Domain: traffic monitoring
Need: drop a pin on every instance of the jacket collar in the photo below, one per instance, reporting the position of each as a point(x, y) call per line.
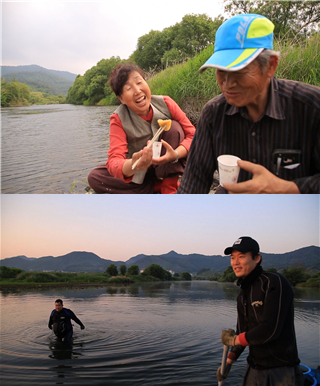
point(247, 281)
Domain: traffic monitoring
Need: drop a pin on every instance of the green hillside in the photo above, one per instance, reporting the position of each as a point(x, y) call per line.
point(41, 81)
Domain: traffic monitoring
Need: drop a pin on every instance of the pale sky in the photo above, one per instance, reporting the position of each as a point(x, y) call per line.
point(120, 227)
point(74, 36)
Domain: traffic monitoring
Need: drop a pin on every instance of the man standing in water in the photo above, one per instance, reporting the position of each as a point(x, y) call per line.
point(265, 321)
point(60, 321)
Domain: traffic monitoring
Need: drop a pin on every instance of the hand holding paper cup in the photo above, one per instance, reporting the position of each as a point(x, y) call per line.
point(228, 169)
point(156, 149)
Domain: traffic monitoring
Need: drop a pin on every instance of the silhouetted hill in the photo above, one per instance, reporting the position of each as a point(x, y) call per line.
point(180, 263)
point(40, 79)
point(33, 67)
point(72, 262)
point(309, 257)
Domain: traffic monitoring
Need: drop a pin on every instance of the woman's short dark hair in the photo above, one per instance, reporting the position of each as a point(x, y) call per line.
point(120, 75)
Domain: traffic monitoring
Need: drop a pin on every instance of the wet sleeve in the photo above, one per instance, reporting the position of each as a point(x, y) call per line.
point(73, 317)
point(235, 352)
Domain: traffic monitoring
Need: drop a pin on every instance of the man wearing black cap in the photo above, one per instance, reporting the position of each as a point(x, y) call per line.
point(265, 321)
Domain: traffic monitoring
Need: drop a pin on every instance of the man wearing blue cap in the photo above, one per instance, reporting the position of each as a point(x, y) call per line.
point(265, 321)
point(272, 125)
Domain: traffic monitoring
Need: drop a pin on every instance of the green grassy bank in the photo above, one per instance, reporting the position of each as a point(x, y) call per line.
point(299, 61)
point(17, 278)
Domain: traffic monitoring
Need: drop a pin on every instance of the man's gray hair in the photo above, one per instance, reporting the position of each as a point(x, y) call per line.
point(264, 58)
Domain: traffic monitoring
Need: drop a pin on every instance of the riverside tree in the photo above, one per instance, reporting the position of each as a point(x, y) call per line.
point(228, 275)
point(123, 269)
point(14, 93)
point(289, 17)
point(158, 272)
point(9, 273)
point(93, 85)
point(176, 43)
point(112, 270)
point(296, 275)
point(133, 270)
point(186, 276)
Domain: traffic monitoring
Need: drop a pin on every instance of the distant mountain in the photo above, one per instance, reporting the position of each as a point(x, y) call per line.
point(309, 257)
point(40, 79)
point(72, 262)
point(33, 67)
point(180, 263)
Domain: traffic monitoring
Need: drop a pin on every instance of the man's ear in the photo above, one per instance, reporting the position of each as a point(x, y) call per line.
point(272, 66)
point(257, 258)
point(120, 98)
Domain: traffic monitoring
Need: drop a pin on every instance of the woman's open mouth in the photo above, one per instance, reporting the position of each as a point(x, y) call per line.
point(141, 99)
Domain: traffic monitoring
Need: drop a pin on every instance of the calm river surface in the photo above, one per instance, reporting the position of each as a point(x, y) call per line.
point(45, 149)
point(150, 334)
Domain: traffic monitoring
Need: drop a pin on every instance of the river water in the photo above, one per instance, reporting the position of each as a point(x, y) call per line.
point(146, 334)
point(52, 148)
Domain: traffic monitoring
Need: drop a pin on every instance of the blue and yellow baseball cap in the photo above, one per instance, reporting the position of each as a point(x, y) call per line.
point(239, 41)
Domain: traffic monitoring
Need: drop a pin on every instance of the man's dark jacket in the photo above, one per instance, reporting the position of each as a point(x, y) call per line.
point(60, 322)
point(266, 316)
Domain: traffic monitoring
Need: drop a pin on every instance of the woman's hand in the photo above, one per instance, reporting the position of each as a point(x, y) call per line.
point(146, 158)
point(143, 164)
point(169, 156)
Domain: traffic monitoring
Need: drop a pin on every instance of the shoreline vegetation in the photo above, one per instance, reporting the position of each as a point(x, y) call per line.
point(11, 278)
point(18, 279)
point(171, 59)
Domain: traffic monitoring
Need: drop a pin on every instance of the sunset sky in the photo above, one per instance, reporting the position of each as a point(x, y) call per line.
point(74, 36)
point(120, 227)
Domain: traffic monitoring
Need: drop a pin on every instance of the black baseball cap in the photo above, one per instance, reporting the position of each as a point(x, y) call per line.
point(244, 244)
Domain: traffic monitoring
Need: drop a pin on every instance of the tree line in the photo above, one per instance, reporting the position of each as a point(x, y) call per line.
point(15, 93)
point(297, 276)
point(111, 275)
point(154, 270)
point(158, 50)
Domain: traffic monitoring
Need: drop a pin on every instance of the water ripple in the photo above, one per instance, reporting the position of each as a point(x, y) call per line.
point(46, 149)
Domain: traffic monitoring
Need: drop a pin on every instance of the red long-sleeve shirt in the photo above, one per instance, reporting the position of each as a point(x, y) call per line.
point(118, 138)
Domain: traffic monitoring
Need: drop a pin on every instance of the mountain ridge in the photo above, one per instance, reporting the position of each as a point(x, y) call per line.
point(38, 78)
point(82, 261)
point(34, 67)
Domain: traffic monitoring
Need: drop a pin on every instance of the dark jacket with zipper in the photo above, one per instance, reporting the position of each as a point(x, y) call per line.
point(60, 322)
point(266, 316)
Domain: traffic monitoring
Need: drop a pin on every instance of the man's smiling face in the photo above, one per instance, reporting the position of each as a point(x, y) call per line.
point(243, 263)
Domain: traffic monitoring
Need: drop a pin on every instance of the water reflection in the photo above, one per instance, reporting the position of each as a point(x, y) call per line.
point(156, 333)
point(62, 351)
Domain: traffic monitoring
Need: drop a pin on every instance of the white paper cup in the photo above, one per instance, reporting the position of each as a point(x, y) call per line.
point(156, 149)
point(228, 169)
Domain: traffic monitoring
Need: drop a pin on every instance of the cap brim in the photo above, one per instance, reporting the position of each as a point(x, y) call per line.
point(229, 250)
point(231, 60)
